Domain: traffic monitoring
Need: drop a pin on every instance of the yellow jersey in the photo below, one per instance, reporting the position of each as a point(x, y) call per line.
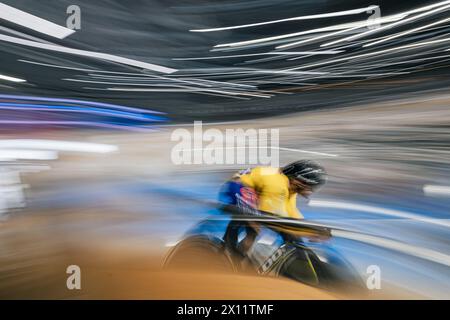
point(272, 187)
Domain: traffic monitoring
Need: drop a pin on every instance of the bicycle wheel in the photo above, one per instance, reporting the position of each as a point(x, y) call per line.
point(199, 253)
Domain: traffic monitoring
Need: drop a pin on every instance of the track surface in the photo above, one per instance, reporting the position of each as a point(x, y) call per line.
point(116, 215)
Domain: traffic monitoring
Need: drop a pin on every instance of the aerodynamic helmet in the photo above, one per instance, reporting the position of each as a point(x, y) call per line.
point(306, 171)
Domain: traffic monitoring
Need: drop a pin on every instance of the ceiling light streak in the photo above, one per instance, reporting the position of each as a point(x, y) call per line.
point(33, 22)
point(284, 36)
point(389, 26)
point(435, 190)
point(190, 90)
point(401, 34)
point(377, 210)
point(410, 46)
point(70, 68)
point(327, 35)
point(142, 84)
point(388, 64)
point(228, 84)
point(12, 79)
point(23, 35)
point(312, 31)
point(141, 78)
point(102, 71)
point(328, 52)
point(412, 250)
point(429, 7)
point(13, 154)
point(179, 90)
point(354, 81)
point(389, 60)
point(57, 145)
point(310, 17)
point(358, 25)
point(268, 59)
point(118, 83)
point(89, 54)
point(247, 71)
point(363, 75)
point(285, 82)
point(258, 45)
point(197, 81)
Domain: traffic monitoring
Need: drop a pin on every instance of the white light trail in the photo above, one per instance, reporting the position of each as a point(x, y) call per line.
point(310, 17)
point(193, 90)
point(373, 53)
point(401, 34)
point(23, 35)
point(13, 154)
point(33, 22)
point(356, 26)
point(433, 190)
point(117, 83)
point(326, 52)
point(344, 26)
point(284, 36)
point(171, 90)
point(196, 82)
point(260, 147)
point(210, 72)
point(389, 26)
point(423, 253)
point(58, 145)
point(305, 151)
point(12, 79)
point(327, 35)
point(90, 54)
point(377, 210)
point(199, 82)
point(426, 8)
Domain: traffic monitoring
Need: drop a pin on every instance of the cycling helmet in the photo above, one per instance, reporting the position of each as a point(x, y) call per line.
point(306, 171)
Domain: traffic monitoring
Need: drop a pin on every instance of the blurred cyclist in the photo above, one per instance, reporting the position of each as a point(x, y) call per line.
point(268, 189)
point(276, 188)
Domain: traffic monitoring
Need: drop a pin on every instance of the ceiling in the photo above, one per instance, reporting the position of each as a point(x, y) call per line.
point(166, 55)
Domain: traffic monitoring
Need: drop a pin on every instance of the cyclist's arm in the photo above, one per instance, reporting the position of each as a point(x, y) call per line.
point(250, 179)
point(292, 209)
